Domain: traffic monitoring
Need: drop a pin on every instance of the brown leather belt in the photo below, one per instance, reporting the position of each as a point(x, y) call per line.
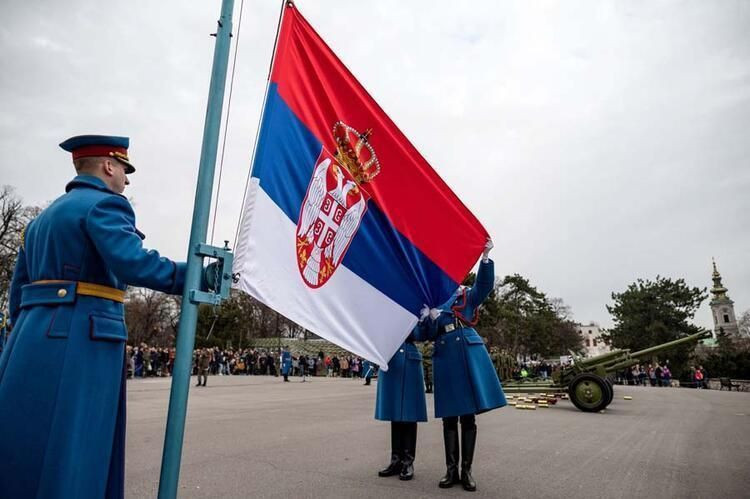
point(90, 289)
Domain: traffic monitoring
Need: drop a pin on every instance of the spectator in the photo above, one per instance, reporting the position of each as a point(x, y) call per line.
point(138, 370)
point(666, 375)
point(698, 376)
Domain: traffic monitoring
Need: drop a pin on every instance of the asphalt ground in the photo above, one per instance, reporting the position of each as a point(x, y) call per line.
point(252, 436)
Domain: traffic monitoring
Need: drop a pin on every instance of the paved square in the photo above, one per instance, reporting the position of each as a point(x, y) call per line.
point(252, 436)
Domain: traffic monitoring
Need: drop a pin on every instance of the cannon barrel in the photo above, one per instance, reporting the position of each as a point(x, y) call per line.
point(603, 358)
point(622, 365)
point(621, 359)
point(645, 353)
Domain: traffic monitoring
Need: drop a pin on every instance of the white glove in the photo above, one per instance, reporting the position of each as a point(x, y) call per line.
point(432, 313)
point(487, 248)
point(424, 312)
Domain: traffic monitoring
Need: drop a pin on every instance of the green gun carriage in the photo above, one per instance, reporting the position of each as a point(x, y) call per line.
point(586, 380)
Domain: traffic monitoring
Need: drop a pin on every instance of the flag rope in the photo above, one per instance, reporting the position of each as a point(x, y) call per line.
point(284, 3)
point(226, 121)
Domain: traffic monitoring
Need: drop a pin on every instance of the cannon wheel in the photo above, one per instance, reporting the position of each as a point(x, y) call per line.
point(589, 392)
point(611, 391)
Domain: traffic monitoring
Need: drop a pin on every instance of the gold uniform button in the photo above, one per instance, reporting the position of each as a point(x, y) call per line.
point(62, 293)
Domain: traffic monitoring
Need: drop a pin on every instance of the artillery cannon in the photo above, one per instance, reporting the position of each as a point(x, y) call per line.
point(585, 380)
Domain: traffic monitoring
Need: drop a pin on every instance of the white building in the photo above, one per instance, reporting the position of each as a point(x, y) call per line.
point(593, 343)
point(722, 308)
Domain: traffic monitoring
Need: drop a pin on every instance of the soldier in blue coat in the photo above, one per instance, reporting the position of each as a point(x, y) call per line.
point(286, 363)
point(368, 370)
point(466, 382)
point(400, 400)
point(64, 420)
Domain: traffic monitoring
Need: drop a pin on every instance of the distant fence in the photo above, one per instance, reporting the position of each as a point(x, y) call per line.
point(715, 384)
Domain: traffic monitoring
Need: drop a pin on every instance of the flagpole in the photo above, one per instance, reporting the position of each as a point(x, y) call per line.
point(172, 453)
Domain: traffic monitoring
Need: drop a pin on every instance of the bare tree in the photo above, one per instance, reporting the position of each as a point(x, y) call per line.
point(151, 316)
point(744, 324)
point(14, 217)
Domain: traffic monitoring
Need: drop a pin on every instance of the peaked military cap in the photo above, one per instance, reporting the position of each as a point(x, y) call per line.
point(86, 146)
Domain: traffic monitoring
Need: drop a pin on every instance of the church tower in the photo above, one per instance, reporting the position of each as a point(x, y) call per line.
point(722, 308)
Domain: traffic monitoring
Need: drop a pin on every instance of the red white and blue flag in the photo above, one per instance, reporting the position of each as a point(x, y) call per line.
point(346, 228)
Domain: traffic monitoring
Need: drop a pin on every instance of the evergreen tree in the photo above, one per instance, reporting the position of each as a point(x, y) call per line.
point(649, 312)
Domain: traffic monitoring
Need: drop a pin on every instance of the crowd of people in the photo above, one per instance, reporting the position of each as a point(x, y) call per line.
point(646, 374)
point(145, 361)
point(541, 370)
point(659, 374)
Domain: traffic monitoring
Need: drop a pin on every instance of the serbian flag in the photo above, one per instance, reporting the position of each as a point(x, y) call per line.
point(346, 229)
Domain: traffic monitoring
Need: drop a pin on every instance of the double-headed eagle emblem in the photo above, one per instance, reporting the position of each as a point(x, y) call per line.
point(335, 204)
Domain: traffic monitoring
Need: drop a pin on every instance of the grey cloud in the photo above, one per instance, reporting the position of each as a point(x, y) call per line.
point(598, 142)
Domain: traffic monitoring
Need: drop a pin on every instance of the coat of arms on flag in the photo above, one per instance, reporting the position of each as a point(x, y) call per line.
point(334, 204)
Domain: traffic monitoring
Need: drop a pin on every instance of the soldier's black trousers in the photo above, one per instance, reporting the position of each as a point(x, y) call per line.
point(468, 421)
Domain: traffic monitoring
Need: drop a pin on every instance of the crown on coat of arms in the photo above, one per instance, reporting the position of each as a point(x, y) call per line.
point(355, 153)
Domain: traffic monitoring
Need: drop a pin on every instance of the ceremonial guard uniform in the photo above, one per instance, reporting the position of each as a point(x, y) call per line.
point(400, 400)
point(286, 363)
point(465, 379)
point(63, 420)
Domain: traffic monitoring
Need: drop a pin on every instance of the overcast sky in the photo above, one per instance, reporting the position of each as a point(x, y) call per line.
point(598, 142)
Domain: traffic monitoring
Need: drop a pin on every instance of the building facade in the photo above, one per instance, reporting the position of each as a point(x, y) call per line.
point(593, 343)
point(722, 308)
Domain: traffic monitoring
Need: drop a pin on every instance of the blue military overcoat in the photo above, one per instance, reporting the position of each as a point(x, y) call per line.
point(62, 374)
point(400, 394)
point(286, 363)
point(465, 381)
point(368, 369)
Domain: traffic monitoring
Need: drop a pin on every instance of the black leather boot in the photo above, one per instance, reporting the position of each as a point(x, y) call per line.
point(409, 445)
point(450, 439)
point(394, 468)
point(468, 443)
